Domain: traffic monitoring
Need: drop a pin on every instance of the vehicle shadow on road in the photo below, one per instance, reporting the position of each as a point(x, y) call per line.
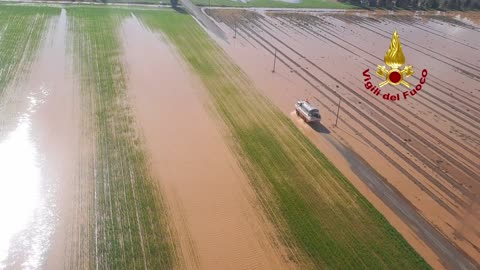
point(319, 127)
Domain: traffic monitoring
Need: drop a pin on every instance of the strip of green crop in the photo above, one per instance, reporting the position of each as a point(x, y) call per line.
point(21, 32)
point(318, 213)
point(128, 228)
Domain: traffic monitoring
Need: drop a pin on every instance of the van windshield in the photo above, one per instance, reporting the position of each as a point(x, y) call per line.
point(314, 113)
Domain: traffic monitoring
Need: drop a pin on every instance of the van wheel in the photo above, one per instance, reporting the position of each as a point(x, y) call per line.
point(298, 114)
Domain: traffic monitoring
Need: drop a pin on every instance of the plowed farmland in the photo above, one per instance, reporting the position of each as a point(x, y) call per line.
point(131, 139)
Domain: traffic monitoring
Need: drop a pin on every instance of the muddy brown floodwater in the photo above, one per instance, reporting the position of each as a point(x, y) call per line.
point(422, 146)
point(37, 155)
point(215, 215)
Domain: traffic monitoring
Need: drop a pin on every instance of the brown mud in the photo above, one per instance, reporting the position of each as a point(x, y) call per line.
point(214, 211)
point(422, 146)
point(41, 152)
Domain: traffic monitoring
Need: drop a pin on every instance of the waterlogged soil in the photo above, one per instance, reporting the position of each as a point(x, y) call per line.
point(214, 212)
point(422, 146)
point(38, 156)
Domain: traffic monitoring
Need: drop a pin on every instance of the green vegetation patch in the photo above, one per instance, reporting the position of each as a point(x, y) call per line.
point(21, 32)
point(323, 220)
point(276, 4)
point(129, 227)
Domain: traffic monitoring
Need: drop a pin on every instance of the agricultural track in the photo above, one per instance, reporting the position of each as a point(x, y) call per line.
point(438, 145)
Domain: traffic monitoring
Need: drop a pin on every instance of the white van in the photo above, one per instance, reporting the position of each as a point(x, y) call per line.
point(307, 112)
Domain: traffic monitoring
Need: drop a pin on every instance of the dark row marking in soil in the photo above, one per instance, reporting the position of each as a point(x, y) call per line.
point(269, 25)
point(445, 19)
point(407, 22)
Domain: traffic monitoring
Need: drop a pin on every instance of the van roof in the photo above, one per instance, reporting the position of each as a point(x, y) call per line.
point(308, 106)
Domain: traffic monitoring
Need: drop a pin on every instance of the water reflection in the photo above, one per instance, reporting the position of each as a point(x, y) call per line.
point(24, 216)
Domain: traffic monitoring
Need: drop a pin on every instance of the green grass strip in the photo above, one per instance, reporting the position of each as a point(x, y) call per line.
point(21, 32)
point(130, 221)
point(321, 217)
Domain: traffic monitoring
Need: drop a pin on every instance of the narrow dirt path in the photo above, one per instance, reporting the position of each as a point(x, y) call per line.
point(215, 214)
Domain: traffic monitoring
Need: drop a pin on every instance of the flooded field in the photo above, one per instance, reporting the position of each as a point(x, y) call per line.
point(131, 139)
point(423, 146)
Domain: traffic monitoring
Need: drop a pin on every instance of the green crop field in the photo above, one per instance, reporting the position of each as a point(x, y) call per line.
point(321, 217)
point(276, 4)
point(21, 31)
point(129, 220)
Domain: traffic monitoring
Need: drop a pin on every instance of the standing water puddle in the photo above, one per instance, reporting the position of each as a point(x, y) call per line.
point(21, 202)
